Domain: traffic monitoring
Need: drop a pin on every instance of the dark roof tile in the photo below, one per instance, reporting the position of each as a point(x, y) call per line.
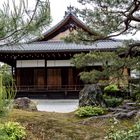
point(60, 46)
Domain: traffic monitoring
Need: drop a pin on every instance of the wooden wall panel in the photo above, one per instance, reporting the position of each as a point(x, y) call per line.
point(54, 77)
point(64, 75)
point(17, 77)
point(27, 76)
point(39, 77)
point(71, 77)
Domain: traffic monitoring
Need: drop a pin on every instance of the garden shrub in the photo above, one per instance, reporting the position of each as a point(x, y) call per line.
point(111, 88)
point(112, 101)
point(136, 94)
point(129, 134)
point(89, 111)
point(7, 95)
point(12, 131)
point(138, 97)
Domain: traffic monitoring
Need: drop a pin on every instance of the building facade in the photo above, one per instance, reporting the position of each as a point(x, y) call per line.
point(43, 69)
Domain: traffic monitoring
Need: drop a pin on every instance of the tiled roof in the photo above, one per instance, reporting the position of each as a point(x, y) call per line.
point(60, 46)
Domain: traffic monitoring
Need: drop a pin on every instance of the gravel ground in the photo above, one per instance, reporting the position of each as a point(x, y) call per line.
point(62, 106)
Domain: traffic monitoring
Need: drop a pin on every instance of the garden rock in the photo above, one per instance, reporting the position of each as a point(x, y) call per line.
point(124, 111)
point(128, 107)
point(138, 115)
point(123, 115)
point(25, 104)
point(91, 95)
point(131, 114)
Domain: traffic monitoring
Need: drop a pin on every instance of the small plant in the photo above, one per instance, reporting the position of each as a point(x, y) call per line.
point(136, 93)
point(89, 111)
point(7, 95)
point(111, 88)
point(12, 131)
point(112, 101)
point(129, 134)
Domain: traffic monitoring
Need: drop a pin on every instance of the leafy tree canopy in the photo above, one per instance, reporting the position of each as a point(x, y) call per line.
point(107, 18)
point(112, 65)
point(19, 20)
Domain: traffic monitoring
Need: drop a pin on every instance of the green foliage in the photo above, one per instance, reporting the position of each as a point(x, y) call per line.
point(12, 131)
point(7, 95)
point(111, 66)
point(89, 59)
point(93, 76)
point(19, 20)
point(129, 134)
point(111, 88)
point(7, 79)
point(136, 93)
point(105, 18)
point(64, 126)
point(136, 96)
point(112, 101)
point(111, 94)
point(88, 111)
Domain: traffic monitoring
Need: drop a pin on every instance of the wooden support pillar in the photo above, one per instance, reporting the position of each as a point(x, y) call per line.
point(45, 72)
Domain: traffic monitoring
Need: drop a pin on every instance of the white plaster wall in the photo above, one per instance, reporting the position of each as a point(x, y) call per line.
point(96, 64)
point(135, 74)
point(59, 63)
point(30, 63)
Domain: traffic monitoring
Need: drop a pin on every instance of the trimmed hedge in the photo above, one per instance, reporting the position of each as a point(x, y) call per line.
point(88, 111)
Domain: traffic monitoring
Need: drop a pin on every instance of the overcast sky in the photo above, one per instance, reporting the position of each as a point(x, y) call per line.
point(58, 8)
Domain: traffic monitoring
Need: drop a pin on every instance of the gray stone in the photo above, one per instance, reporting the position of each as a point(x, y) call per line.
point(133, 104)
point(125, 111)
point(121, 115)
point(124, 115)
point(127, 107)
point(91, 95)
point(138, 115)
point(116, 110)
point(25, 104)
point(131, 114)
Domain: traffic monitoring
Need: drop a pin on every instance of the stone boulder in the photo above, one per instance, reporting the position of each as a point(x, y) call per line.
point(126, 115)
point(127, 110)
point(24, 104)
point(91, 95)
point(138, 115)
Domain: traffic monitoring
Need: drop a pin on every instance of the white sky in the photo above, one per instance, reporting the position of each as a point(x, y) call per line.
point(58, 8)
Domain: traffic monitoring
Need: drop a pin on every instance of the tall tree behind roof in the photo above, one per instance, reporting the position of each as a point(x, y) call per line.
point(110, 18)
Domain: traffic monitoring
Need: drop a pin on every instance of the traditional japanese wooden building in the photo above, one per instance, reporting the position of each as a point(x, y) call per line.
point(42, 68)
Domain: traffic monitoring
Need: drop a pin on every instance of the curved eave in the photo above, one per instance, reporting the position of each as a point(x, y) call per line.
point(53, 51)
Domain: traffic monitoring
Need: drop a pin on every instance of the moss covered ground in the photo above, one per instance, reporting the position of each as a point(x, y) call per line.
point(63, 126)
